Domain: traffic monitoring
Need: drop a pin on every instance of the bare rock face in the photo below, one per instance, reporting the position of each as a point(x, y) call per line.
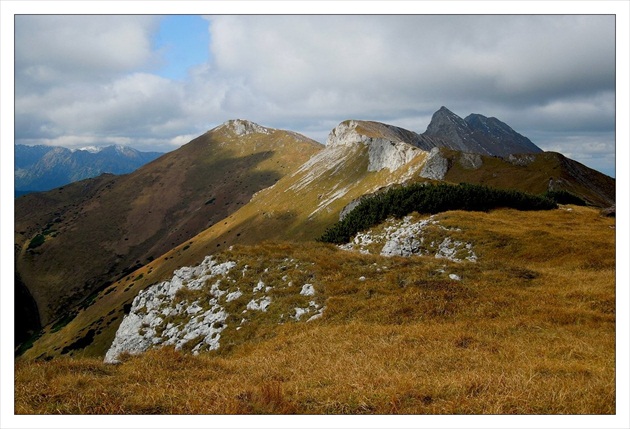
point(390, 155)
point(477, 134)
point(471, 161)
point(388, 147)
point(436, 165)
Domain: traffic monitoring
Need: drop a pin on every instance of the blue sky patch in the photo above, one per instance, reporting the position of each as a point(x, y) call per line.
point(183, 41)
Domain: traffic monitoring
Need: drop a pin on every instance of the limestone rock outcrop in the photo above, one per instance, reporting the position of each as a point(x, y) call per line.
point(388, 146)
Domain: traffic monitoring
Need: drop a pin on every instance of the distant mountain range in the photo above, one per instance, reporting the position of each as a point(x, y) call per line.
point(84, 252)
point(41, 168)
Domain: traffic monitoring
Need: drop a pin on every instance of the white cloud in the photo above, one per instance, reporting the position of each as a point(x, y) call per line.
point(64, 48)
point(90, 76)
point(370, 63)
point(131, 105)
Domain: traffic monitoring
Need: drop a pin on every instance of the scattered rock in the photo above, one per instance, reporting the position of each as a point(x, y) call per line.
point(521, 159)
point(407, 238)
point(189, 308)
point(259, 304)
point(307, 290)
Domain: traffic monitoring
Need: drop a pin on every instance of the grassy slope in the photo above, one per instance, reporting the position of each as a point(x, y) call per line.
point(287, 210)
point(529, 329)
point(592, 186)
point(103, 227)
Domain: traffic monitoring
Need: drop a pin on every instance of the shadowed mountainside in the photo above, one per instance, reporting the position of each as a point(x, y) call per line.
point(73, 241)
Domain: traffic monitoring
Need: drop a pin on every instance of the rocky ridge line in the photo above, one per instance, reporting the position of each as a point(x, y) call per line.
point(388, 147)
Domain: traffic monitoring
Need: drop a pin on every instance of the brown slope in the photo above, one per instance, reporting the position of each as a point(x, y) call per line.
point(299, 207)
point(99, 230)
point(533, 173)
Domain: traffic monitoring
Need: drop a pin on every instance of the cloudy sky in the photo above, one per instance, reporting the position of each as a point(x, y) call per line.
point(156, 82)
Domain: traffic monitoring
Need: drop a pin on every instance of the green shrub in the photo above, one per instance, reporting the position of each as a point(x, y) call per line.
point(564, 197)
point(431, 199)
point(37, 241)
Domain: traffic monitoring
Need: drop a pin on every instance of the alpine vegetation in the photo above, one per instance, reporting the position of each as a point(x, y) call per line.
point(431, 199)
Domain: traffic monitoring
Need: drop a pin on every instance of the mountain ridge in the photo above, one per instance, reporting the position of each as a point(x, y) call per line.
point(306, 197)
point(96, 230)
point(476, 134)
point(41, 168)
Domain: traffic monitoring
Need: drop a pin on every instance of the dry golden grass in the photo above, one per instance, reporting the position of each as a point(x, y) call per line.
point(530, 329)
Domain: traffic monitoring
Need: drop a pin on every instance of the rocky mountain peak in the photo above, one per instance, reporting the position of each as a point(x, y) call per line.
point(242, 127)
point(345, 134)
point(445, 122)
point(453, 130)
point(477, 134)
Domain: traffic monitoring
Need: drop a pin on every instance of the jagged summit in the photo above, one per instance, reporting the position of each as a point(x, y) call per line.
point(477, 134)
point(444, 122)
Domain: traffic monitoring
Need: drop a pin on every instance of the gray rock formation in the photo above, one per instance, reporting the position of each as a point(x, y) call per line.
point(477, 134)
point(406, 238)
point(436, 165)
point(388, 147)
point(471, 161)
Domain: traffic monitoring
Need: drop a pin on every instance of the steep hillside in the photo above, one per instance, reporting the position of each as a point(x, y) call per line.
point(533, 173)
point(360, 158)
point(299, 206)
point(73, 241)
point(41, 168)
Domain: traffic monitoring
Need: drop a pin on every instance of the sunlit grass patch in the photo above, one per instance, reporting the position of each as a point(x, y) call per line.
point(529, 328)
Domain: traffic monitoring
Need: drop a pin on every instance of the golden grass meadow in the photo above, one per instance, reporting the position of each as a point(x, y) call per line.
point(529, 329)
